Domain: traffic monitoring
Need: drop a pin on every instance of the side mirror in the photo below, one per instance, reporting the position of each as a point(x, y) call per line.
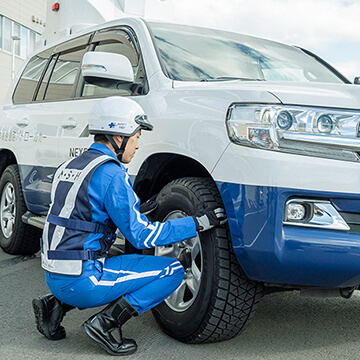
point(106, 69)
point(357, 80)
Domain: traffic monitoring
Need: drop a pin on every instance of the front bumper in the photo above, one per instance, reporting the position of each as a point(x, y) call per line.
point(272, 252)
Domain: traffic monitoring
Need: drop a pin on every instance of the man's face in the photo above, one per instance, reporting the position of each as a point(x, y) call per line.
point(131, 147)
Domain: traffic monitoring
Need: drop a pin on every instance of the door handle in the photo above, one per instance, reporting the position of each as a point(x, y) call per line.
point(23, 122)
point(69, 123)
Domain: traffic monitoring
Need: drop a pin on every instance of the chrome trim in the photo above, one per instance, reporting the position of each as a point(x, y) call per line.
point(324, 216)
point(333, 141)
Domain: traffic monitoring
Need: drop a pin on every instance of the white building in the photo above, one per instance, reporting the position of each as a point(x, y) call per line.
point(21, 23)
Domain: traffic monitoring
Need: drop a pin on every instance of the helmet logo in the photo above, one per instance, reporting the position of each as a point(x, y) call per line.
point(113, 125)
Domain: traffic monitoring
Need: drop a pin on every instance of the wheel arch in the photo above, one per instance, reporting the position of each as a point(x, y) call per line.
point(159, 169)
point(7, 157)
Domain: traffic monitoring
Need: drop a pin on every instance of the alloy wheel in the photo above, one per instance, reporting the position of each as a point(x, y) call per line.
point(189, 253)
point(8, 210)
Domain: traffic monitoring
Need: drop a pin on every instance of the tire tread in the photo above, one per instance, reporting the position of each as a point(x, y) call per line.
point(235, 298)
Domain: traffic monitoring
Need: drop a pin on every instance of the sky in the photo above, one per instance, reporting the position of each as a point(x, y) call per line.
point(328, 28)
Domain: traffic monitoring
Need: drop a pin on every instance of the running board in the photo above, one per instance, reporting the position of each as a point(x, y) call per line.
point(34, 220)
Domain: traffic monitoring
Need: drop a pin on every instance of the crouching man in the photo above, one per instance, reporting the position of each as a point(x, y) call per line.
point(91, 197)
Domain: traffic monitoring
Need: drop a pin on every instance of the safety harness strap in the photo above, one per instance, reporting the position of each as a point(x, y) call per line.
point(73, 255)
point(81, 225)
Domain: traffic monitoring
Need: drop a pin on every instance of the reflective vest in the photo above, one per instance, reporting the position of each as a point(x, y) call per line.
point(69, 220)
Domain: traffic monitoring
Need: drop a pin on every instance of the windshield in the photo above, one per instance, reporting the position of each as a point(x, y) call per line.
point(197, 54)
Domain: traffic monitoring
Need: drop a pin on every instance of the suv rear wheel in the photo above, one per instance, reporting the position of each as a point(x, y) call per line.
point(15, 236)
point(216, 300)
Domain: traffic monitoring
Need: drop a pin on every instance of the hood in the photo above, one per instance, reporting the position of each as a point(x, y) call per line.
point(339, 96)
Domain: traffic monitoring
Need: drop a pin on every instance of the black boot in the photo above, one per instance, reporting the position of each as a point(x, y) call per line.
point(105, 328)
point(49, 312)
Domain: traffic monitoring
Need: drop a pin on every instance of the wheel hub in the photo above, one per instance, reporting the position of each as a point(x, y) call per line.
point(7, 210)
point(185, 258)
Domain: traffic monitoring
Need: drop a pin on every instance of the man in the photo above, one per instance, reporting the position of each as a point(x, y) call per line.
point(91, 196)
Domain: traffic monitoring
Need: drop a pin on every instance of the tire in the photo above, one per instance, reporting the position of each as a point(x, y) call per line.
point(216, 300)
point(16, 237)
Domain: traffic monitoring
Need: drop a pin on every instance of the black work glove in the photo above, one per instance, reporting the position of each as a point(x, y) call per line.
point(209, 218)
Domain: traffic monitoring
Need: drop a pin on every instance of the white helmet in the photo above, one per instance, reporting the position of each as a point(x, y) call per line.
point(117, 115)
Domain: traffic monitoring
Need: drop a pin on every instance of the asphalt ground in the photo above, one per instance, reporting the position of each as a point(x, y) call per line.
point(286, 326)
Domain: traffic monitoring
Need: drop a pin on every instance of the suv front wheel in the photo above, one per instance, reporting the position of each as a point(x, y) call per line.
point(16, 237)
point(215, 300)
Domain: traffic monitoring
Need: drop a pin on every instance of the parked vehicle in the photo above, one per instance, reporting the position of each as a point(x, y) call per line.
point(269, 131)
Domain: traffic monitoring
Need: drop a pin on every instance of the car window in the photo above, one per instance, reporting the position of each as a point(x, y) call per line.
point(60, 78)
point(117, 42)
point(197, 54)
point(45, 80)
point(29, 79)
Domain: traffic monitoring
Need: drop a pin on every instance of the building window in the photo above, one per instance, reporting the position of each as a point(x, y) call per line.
point(32, 41)
point(22, 47)
point(16, 44)
point(7, 34)
point(1, 31)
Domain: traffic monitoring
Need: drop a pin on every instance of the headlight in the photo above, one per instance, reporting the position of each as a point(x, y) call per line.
point(325, 124)
point(284, 120)
point(306, 131)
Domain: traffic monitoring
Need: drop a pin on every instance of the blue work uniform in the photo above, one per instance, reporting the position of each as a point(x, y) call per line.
point(88, 193)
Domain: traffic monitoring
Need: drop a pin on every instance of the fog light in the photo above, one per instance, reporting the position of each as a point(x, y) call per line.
point(319, 214)
point(295, 212)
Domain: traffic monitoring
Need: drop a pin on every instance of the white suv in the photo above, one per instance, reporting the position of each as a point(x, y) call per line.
point(269, 131)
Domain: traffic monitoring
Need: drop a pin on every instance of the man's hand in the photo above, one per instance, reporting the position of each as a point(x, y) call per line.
point(210, 218)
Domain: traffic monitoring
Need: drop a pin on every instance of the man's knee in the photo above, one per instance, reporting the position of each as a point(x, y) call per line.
point(176, 272)
point(179, 270)
point(174, 268)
